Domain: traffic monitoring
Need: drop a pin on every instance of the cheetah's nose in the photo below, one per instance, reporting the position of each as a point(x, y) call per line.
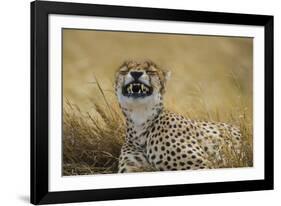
point(136, 75)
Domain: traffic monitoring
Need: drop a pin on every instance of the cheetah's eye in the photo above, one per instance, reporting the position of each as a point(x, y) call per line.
point(151, 72)
point(123, 72)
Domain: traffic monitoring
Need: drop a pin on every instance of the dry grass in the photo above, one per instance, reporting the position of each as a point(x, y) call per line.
point(92, 143)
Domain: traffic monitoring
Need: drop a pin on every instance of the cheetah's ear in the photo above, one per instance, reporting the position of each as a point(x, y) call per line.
point(167, 75)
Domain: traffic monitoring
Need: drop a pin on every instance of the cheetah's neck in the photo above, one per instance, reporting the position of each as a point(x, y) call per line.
point(138, 120)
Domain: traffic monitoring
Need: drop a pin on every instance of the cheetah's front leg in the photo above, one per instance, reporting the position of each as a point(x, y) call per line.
point(133, 159)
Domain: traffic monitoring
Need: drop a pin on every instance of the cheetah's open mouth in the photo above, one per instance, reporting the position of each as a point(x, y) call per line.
point(136, 90)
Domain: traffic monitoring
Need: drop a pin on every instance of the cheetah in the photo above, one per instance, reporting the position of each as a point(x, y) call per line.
point(157, 139)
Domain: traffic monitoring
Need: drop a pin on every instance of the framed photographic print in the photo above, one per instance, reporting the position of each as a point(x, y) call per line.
point(131, 102)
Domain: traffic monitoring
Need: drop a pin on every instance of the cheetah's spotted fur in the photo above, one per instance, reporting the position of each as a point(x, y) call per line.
point(157, 139)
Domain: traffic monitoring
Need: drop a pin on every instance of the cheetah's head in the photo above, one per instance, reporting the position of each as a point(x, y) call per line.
point(140, 83)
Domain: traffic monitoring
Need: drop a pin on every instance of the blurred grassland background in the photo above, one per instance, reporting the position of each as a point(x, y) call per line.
point(211, 80)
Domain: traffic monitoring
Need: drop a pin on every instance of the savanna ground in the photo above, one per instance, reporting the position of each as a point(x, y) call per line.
point(211, 80)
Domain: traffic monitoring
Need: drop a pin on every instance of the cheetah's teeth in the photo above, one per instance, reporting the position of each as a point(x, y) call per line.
point(131, 88)
point(141, 88)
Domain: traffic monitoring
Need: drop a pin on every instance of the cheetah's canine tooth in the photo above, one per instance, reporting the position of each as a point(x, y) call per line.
point(142, 87)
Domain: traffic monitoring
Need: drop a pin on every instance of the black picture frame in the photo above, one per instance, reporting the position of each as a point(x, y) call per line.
point(39, 101)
